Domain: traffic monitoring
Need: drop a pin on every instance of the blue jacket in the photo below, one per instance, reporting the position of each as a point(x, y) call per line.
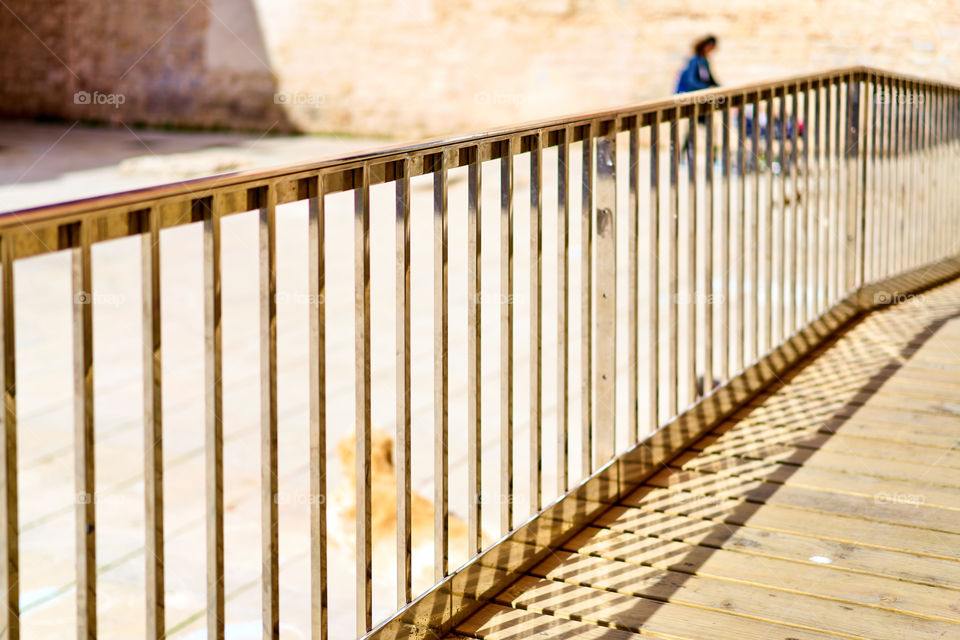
point(696, 76)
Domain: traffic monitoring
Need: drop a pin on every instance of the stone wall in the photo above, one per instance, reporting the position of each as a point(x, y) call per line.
point(410, 68)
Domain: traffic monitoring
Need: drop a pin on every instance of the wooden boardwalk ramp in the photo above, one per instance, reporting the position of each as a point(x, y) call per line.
point(827, 508)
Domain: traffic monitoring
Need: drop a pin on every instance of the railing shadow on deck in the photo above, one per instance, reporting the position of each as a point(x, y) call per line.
point(877, 367)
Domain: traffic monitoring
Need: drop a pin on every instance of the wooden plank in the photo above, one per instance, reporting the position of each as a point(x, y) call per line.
point(745, 539)
point(652, 617)
point(780, 460)
point(834, 451)
point(777, 607)
point(497, 622)
point(861, 425)
point(804, 410)
point(773, 516)
point(810, 499)
point(853, 483)
point(822, 580)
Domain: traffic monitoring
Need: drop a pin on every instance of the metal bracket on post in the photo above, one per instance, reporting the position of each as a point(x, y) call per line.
point(606, 269)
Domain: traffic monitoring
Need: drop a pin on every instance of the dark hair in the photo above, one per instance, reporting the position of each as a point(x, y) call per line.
point(700, 47)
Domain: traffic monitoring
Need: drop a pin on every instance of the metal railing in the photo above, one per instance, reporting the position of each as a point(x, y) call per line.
point(713, 227)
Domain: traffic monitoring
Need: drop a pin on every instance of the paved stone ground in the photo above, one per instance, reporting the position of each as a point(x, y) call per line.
point(43, 163)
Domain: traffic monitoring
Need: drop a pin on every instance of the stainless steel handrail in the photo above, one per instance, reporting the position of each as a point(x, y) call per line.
point(775, 227)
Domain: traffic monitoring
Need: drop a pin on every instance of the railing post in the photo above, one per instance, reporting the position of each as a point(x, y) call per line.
point(9, 520)
point(606, 327)
point(851, 156)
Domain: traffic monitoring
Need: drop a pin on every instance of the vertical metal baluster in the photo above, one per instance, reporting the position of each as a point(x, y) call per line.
point(954, 126)
point(311, 189)
point(937, 152)
point(935, 165)
point(923, 183)
point(874, 209)
point(909, 177)
point(866, 204)
point(946, 174)
point(829, 227)
point(654, 265)
point(691, 309)
point(755, 230)
point(474, 376)
point(213, 408)
point(929, 103)
point(943, 176)
point(879, 204)
point(673, 266)
point(806, 281)
point(739, 333)
point(84, 432)
point(896, 143)
point(817, 249)
point(440, 389)
point(795, 236)
point(953, 113)
point(270, 540)
point(563, 302)
point(916, 213)
point(768, 229)
point(852, 164)
point(586, 306)
point(906, 176)
point(910, 223)
point(506, 336)
point(633, 318)
point(882, 202)
point(890, 175)
point(606, 319)
point(404, 541)
point(950, 184)
point(725, 291)
point(864, 159)
point(536, 304)
point(361, 295)
point(929, 170)
point(9, 512)
point(955, 187)
point(782, 225)
point(152, 424)
point(708, 214)
point(840, 209)
point(932, 92)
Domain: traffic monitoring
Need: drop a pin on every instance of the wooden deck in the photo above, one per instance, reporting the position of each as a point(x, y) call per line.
point(828, 508)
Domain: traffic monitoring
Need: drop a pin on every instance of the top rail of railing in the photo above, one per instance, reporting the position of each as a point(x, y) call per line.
point(420, 151)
